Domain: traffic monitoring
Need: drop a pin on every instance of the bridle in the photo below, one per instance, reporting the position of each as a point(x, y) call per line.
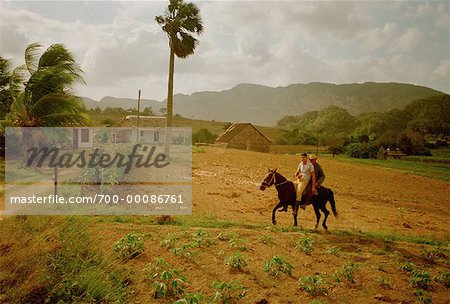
point(273, 181)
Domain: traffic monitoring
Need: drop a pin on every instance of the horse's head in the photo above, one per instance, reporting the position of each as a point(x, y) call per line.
point(269, 180)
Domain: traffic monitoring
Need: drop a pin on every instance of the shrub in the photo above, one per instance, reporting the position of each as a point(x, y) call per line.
point(237, 243)
point(423, 296)
point(334, 250)
point(167, 282)
point(169, 242)
point(228, 292)
point(315, 285)
point(384, 281)
point(408, 267)
point(276, 265)
point(443, 278)
point(306, 245)
point(225, 236)
point(346, 273)
point(265, 239)
point(191, 298)
point(420, 279)
point(130, 246)
point(362, 150)
point(236, 261)
point(165, 220)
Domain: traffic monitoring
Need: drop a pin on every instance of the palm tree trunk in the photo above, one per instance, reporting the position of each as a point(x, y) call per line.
point(169, 122)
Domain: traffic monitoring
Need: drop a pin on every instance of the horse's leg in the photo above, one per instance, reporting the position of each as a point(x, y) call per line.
point(274, 211)
point(316, 210)
point(295, 213)
point(326, 212)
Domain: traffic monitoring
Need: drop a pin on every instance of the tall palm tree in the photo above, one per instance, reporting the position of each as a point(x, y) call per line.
point(46, 98)
point(180, 21)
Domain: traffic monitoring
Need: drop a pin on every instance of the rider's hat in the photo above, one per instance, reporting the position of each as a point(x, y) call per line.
point(312, 156)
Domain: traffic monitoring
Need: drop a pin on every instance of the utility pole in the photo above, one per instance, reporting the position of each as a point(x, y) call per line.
point(138, 113)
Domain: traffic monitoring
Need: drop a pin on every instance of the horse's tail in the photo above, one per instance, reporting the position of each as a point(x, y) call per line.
point(333, 203)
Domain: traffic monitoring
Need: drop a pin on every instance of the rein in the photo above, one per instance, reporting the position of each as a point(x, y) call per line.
point(273, 181)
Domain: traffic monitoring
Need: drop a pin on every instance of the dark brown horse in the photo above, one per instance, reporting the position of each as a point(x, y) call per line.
point(287, 197)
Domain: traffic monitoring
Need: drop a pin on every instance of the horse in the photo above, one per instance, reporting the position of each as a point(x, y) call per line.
point(287, 197)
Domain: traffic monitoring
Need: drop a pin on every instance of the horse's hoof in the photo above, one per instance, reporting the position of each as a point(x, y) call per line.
point(325, 227)
point(274, 222)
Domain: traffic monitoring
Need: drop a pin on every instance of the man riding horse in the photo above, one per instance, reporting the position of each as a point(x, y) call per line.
point(306, 179)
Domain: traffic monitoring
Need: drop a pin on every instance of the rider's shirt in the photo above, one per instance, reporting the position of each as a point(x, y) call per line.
point(305, 170)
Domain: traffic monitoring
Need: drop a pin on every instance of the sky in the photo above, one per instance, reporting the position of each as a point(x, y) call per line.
point(121, 48)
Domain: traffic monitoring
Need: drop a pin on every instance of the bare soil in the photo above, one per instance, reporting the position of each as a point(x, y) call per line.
point(387, 219)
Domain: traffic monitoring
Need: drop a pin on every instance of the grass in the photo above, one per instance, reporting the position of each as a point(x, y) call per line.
point(432, 170)
point(393, 237)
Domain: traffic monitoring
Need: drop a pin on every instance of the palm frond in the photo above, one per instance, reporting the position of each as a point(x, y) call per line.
point(16, 81)
point(31, 53)
point(60, 110)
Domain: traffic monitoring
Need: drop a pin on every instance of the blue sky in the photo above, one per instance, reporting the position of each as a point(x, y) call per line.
point(276, 43)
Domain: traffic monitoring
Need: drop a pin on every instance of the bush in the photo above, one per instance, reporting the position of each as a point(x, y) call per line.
point(228, 292)
point(236, 261)
point(420, 279)
point(362, 150)
point(203, 136)
point(130, 246)
point(346, 273)
point(167, 282)
point(306, 245)
point(276, 265)
point(315, 285)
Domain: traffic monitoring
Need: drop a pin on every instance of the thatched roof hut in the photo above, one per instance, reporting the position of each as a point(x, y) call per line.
point(244, 136)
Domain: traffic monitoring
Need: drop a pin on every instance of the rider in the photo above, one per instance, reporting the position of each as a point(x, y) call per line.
point(303, 174)
point(320, 176)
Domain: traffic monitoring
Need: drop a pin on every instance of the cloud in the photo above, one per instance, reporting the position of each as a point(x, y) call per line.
point(379, 37)
point(122, 49)
point(406, 43)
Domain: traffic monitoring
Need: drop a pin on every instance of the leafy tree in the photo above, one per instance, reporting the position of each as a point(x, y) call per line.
point(412, 143)
point(46, 98)
point(148, 111)
point(180, 21)
point(5, 93)
point(430, 115)
point(203, 136)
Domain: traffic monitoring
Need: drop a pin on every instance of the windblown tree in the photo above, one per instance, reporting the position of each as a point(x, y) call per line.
point(45, 99)
point(5, 93)
point(180, 21)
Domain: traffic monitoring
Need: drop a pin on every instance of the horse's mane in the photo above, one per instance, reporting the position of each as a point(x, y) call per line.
point(280, 178)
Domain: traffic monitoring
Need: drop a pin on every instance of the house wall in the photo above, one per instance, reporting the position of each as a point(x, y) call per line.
point(249, 139)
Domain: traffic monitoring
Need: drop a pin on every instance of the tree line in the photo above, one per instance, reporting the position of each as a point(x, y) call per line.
point(422, 124)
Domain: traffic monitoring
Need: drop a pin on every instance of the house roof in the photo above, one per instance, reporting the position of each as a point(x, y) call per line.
point(234, 130)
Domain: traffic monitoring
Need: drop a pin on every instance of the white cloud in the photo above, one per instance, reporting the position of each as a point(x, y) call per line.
point(407, 41)
point(271, 43)
point(379, 37)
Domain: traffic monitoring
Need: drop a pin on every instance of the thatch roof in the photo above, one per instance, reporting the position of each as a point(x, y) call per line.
point(235, 129)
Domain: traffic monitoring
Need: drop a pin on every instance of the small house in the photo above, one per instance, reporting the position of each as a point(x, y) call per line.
point(244, 136)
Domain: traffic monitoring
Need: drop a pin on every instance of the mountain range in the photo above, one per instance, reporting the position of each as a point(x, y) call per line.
point(265, 105)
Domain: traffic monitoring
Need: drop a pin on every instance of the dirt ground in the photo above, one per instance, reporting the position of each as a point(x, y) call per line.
point(229, 210)
point(225, 183)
